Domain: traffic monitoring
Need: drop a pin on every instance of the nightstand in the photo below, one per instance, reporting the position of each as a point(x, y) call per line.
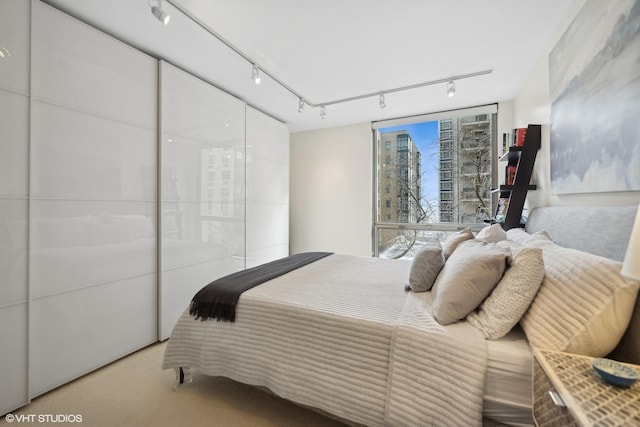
point(579, 397)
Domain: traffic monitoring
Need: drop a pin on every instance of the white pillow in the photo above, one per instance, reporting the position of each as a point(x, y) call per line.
point(583, 306)
point(492, 234)
point(518, 235)
point(510, 299)
point(466, 279)
point(425, 266)
point(451, 243)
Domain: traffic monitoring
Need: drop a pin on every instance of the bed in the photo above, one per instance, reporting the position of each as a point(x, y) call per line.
point(341, 334)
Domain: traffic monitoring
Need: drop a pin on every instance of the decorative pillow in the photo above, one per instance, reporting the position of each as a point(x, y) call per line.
point(492, 234)
point(425, 266)
point(467, 278)
point(451, 243)
point(517, 235)
point(583, 306)
point(510, 299)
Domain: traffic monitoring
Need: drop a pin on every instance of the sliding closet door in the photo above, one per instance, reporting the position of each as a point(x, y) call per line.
point(202, 189)
point(267, 188)
point(14, 201)
point(92, 257)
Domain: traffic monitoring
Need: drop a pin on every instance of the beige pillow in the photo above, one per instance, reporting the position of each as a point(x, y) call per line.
point(451, 243)
point(492, 234)
point(425, 266)
point(466, 279)
point(510, 299)
point(583, 306)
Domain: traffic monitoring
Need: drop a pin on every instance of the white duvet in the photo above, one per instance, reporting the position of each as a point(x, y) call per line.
point(343, 336)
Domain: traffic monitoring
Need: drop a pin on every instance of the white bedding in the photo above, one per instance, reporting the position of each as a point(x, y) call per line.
point(341, 335)
point(508, 387)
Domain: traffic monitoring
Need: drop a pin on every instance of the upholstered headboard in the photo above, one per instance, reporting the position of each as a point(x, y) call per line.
point(601, 230)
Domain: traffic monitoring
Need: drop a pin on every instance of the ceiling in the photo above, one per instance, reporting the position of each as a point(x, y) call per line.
point(335, 49)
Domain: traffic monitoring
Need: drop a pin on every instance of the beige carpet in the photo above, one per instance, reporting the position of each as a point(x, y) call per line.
point(134, 391)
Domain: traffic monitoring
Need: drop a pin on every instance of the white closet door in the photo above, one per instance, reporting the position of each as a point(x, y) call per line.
point(202, 189)
point(14, 200)
point(267, 188)
point(92, 251)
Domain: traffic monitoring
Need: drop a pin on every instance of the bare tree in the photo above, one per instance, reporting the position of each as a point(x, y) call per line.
point(472, 154)
point(423, 209)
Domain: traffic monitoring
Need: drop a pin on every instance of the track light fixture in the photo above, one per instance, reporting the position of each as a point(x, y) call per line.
point(255, 74)
point(451, 89)
point(159, 13)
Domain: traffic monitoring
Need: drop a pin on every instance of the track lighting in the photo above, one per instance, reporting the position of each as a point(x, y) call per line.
point(4, 52)
point(451, 89)
point(159, 13)
point(255, 74)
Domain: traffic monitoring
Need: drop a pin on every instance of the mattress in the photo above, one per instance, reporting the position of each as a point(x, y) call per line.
point(508, 386)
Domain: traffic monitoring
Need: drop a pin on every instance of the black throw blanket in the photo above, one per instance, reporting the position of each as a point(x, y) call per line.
point(219, 298)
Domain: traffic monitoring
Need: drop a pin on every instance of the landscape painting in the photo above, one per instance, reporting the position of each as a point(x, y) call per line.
point(594, 84)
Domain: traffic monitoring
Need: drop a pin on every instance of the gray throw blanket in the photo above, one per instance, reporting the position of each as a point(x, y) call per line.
point(218, 299)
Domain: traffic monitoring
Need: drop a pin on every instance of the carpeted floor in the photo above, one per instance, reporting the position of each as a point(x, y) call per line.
point(134, 391)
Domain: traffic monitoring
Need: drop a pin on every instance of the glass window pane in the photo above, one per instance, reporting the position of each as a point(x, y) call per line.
point(436, 171)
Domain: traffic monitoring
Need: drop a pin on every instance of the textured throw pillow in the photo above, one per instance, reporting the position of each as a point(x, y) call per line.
point(517, 235)
point(492, 234)
point(466, 279)
point(583, 306)
point(425, 266)
point(510, 299)
point(451, 243)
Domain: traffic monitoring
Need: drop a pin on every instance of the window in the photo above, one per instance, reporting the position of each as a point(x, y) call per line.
point(442, 169)
point(446, 134)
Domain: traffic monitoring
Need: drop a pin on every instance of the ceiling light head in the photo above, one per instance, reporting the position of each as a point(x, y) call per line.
point(381, 101)
point(255, 74)
point(300, 105)
point(451, 89)
point(323, 113)
point(160, 14)
point(4, 52)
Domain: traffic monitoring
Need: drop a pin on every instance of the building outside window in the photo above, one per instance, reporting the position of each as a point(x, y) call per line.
point(439, 174)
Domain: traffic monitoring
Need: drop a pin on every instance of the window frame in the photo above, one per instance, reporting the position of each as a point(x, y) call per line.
point(378, 152)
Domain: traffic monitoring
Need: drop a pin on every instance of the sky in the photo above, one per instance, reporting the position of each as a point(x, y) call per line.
point(425, 136)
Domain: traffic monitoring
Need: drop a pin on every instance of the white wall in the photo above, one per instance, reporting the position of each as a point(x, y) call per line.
point(331, 190)
point(532, 105)
point(331, 170)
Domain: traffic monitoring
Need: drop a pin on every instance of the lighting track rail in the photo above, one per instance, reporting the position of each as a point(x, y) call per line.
point(256, 69)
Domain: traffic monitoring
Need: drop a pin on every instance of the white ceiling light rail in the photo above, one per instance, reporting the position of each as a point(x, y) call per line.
point(256, 70)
